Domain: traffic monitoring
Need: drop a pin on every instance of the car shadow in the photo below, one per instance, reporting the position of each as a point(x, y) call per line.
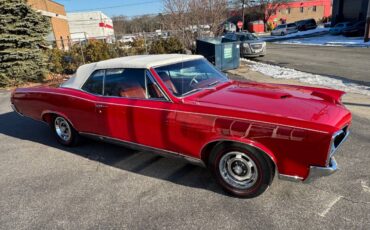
point(144, 163)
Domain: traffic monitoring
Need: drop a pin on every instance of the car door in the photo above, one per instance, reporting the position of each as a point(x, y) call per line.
point(87, 113)
point(134, 109)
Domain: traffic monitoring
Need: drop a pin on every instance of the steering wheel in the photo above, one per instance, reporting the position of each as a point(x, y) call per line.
point(193, 81)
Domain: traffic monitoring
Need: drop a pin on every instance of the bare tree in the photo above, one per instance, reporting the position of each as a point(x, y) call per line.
point(188, 18)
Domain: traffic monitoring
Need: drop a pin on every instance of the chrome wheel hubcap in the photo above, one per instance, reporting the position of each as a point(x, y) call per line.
point(238, 170)
point(62, 129)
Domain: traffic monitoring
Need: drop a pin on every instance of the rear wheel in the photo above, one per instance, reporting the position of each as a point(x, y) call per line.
point(64, 132)
point(240, 170)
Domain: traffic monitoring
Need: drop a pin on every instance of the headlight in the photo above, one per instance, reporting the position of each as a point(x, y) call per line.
point(245, 45)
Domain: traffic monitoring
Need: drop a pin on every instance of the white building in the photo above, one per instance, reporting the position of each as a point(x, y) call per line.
point(90, 25)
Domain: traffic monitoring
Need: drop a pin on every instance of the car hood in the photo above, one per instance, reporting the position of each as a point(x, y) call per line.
point(309, 104)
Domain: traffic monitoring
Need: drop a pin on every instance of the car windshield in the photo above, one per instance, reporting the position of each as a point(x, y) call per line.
point(247, 37)
point(280, 27)
point(188, 77)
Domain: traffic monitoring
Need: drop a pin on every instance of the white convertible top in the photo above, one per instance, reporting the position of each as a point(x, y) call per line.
point(134, 62)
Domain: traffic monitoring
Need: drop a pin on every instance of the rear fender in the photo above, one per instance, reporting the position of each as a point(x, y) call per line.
point(47, 117)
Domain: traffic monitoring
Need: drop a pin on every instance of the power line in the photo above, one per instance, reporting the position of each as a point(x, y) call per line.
point(117, 6)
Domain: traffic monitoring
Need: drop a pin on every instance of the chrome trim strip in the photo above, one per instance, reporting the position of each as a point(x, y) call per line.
point(15, 109)
point(171, 110)
point(290, 178)
point(317, 172)
point(149, 74)
point(141, 147)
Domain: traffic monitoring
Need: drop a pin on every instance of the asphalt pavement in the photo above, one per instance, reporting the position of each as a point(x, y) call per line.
point(96, 185)
point(347, 63)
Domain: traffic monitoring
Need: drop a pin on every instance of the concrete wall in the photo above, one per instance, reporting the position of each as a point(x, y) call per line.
point(349, 10)
point(60, 33)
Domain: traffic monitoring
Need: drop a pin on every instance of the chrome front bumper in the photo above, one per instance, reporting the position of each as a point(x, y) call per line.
point(15, 110)
point(317, 172)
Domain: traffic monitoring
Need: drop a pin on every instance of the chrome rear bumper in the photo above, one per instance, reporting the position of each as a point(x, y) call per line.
point(317, 172)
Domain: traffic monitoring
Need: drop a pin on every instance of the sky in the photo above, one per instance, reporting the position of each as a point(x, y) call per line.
point(114, 7)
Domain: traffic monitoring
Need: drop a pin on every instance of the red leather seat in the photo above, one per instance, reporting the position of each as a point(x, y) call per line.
point(132, 89)
point(167, 81)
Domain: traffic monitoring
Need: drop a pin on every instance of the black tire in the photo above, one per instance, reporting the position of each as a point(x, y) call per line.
point(73, 137)
point(262, 165)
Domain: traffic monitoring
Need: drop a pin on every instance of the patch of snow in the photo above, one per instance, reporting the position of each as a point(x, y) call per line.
point(329, 40)
point(298, 34)
point(315, 79)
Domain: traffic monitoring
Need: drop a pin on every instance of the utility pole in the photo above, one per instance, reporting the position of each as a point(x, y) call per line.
point(243, 5)
point(367, 29)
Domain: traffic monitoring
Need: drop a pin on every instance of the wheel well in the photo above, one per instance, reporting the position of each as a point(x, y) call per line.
point(207, 150)
point(47, 117)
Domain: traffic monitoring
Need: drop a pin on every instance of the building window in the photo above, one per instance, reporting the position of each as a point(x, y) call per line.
point(288, 10)
point(314, 9)
point(62, 42)
point(301, 9)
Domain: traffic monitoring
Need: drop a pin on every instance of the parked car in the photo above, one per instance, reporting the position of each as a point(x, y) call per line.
point(338, 28)
point(182, 106)
point(308, 24)
point(357, 29)
point(250, 46)
point(327, 24)
point(284, 29)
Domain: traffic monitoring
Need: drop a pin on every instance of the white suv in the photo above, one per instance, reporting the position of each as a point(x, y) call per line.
point(285, 29)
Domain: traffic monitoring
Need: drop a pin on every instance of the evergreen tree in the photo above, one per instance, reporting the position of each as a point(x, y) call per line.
point(22, 34)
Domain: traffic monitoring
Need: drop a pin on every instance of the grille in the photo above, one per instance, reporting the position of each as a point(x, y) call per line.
point(256, 46)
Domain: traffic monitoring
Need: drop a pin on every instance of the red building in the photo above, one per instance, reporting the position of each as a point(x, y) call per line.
point(299, 10)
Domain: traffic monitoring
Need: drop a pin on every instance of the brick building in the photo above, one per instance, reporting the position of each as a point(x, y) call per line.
point(299, 10)
point(59, 34)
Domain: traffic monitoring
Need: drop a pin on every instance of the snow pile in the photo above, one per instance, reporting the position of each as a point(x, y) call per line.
point(286, 73)
point(298, 34)
point(329, 40)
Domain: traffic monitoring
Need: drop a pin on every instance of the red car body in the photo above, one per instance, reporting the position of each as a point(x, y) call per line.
point(294, 125)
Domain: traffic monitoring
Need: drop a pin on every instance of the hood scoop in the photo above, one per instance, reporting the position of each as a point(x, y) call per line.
point(273, 94)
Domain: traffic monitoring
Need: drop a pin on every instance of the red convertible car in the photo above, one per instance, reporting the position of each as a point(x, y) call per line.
point(180, 105)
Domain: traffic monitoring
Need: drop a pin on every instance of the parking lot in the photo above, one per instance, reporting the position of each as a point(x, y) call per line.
point(347, 63)
point(97, 185)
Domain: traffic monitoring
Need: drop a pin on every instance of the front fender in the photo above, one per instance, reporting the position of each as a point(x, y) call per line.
point(245, 141)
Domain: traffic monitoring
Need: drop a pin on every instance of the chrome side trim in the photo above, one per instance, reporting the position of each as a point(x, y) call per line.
point(15, 110)
point(142, 147)
point(290, 178)
point(317, 172)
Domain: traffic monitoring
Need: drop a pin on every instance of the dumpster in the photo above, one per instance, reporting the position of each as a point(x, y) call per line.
point(223, 54)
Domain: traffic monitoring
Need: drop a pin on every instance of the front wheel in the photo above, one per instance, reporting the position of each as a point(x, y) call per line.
point(64, 132)
point(240, 170)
